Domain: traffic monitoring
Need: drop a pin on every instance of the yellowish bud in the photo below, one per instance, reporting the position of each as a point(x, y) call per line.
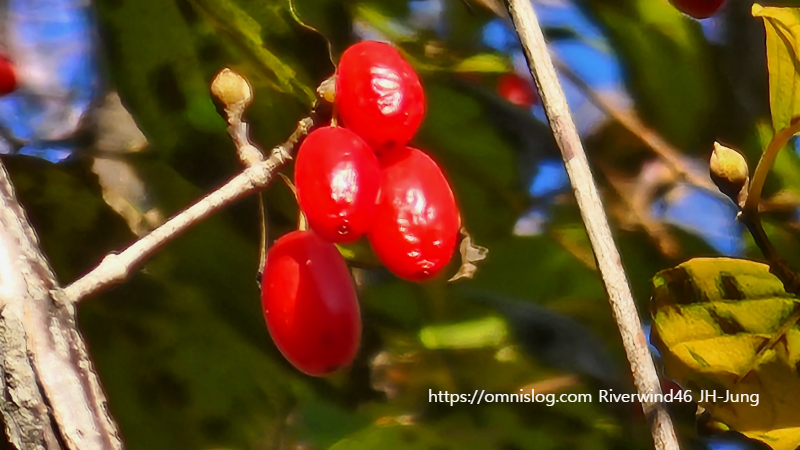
point(729, 172)
point(231, 88)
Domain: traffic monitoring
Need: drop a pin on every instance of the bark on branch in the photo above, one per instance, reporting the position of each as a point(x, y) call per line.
point(52, 396)
point(594, 217)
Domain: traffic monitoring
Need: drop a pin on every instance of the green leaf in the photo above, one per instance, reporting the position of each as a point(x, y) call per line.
point(728, 325)
point(783, 60)
point(483, 63)
point(487, 332)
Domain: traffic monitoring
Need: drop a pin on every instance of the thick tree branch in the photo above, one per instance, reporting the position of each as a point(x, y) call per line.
point(38, 334)
point(594, 217)
point(117, 267)
point(24, 410)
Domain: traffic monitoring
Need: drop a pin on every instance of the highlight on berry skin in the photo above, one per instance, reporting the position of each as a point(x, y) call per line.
point(310, 304)
point(379, 95)
point(337, 178)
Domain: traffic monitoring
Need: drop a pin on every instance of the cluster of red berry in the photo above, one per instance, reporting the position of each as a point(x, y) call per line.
point(352, 180)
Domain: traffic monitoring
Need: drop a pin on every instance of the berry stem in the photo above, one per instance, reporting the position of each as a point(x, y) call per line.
point(765, 164)
point(594, 217)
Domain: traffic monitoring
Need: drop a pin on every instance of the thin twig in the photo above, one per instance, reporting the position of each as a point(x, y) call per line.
point(777, 265)
point(594, 217)
point(637, 205)
point(115, 268)
point(250, 155)
point(751, 217)
point(631, 122)
point(778, 142)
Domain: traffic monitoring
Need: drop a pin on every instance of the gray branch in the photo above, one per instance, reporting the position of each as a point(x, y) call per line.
point(52, 395)
point(594, 217)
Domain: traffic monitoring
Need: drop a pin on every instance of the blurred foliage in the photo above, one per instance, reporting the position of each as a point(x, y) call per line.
point(664, 53)
point(728, 326)
point(182, 348)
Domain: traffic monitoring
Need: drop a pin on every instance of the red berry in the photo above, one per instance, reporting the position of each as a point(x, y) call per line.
point(337, 177)
point(310, 303)
point(670, 387)
point(378, 95)
point(516, 90)
point(8, 76)
point(699, 9)
point(416, 223)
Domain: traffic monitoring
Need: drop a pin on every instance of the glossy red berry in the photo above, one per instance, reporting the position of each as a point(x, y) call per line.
point(310, 303)
point(699, 9)
point(378, 95)
point(337, 177)
point(8, 76)
point(516, 90)
point(417, 221)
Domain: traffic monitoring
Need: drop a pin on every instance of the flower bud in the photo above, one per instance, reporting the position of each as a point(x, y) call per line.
point(730, 173)
point(231, 88)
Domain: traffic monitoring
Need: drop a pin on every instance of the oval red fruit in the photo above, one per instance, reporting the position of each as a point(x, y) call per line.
point(516, 90)
point(699, 9)
point(337, 177)
point(378, 95)
point(8, 76)
point(417, 221)
point(310, 303)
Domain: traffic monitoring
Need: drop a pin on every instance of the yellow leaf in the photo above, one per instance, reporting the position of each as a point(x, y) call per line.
point(483, 63)
point(783, 60)
point(721, 325)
